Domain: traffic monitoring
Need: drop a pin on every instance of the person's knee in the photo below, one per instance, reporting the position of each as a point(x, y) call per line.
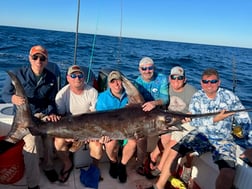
point(132, 143)
point(59, 144)
point(165, 139)
point(95, 150)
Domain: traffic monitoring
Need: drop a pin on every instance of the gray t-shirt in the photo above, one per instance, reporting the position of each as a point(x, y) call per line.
point(179, 101)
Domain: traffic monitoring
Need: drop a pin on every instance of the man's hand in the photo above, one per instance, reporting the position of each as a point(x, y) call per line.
point(17, 100)
point(104, 139)
point(53, 118)
point(222, 115)
point(148, 106)
point(186, 119)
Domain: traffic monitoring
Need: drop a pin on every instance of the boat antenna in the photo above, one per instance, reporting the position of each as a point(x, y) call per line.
point(234, 86)
point(76, 33)
point(120, 37)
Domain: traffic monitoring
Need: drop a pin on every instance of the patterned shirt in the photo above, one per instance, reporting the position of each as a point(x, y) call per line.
point(224, 100)
point(156, 89)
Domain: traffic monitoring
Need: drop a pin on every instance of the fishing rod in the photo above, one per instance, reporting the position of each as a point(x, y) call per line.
point(120, 37)
point(237, 130)
point(76, 33)
point(76, 44)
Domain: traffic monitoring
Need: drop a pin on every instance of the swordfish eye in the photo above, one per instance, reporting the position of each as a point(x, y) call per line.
point(169, 119)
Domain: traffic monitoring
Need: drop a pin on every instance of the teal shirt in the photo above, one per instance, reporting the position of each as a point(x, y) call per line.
point(156, 89)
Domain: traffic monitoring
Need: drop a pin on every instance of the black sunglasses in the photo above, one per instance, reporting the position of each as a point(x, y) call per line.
point(73, 75)
point(147, 68)
point(180, 77)
point(41, 57)
point(213, 81)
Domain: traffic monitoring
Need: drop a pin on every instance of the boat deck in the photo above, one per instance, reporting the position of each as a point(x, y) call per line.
point(73, 182)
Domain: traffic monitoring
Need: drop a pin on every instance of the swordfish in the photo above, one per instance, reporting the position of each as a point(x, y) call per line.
point(128, 122)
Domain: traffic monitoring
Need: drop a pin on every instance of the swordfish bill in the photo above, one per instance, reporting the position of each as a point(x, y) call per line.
point(128, 122)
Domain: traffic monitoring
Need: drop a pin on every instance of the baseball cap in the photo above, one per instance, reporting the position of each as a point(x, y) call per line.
point(177, 70)
point(145, 60)
point(74, 68)
point(114, 75)
point(38, 49)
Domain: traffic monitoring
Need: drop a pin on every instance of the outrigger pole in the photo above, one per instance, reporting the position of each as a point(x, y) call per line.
point(76, 33)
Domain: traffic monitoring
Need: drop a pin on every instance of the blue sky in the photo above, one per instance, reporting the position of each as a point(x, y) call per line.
point(219, 22)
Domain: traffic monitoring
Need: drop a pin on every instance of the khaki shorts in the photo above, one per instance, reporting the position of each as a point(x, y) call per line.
point(177, 135)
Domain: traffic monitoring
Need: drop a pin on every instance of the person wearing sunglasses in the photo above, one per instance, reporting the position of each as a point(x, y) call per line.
point(211, 134)
point(76, 97)
point(153, 87)
point(180, 93)
point(115, 97)
point(40, 86)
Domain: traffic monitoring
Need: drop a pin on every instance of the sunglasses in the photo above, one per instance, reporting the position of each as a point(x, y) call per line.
point(147, 68)
point(213, 81)
point(41, 57)
point(180, 77)
point(73, 75)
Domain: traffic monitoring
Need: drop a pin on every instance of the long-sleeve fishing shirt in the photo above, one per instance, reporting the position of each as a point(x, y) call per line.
point(107, 101)
point(156, 89)
point(40, 91)
point(224, 100)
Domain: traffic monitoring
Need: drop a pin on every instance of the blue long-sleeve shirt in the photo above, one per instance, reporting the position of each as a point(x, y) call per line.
point(107, 101)
point(40, 92)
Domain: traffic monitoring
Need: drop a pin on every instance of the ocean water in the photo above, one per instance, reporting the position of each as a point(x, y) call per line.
point(99, 52)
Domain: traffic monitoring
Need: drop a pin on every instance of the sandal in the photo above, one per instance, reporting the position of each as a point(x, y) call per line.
point(51, 175)
point(65, 174)
point(155, 172)
point(145, 169)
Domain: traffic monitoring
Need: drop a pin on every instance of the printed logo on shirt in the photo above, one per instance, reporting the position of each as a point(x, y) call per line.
point(154, 90)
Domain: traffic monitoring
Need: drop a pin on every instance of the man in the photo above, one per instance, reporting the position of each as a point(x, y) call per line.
point(153, 87)
point(114, 98)
point(75, 98)
point(211, 134)
point(180, 93)
point(40, 86)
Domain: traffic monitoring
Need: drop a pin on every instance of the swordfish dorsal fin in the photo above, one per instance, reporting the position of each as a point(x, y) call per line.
point(133, 94)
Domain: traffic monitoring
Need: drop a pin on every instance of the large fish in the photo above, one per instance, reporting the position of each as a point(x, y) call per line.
point(128, 122)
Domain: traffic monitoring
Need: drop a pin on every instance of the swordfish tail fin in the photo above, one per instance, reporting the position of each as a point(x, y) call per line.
point(22, 118)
